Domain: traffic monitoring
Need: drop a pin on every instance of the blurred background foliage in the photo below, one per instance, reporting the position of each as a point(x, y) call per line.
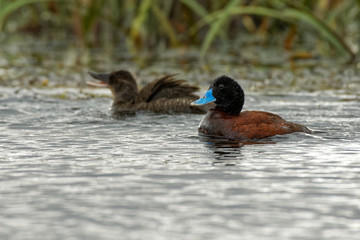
point(330, 27)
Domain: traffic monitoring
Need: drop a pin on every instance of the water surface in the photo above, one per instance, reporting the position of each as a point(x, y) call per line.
point(69, 170)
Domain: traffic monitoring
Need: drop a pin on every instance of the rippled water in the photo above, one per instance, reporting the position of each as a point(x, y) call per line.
point(69, 170)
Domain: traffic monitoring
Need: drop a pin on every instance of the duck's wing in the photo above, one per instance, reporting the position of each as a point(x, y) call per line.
point(169, 106)
point(166, 87)
point(259, 124)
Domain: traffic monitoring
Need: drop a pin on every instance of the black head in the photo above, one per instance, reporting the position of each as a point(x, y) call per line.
point(228, 94)
point(121, 83)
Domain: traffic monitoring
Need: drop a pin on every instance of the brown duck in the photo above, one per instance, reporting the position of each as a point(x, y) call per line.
point(164, 95)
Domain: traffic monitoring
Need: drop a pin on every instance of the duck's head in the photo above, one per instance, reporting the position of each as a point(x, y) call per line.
point(121, 83)
point(226, 93)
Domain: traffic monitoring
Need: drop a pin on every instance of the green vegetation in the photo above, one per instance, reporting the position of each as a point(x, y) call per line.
point(331, 25)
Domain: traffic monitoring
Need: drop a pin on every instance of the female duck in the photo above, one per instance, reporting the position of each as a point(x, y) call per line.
point(227, 121)
point(164, 95)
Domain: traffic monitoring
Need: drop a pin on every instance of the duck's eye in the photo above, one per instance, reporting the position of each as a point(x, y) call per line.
point(221, 86)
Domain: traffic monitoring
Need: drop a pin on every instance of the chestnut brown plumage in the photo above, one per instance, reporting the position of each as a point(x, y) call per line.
point(227, 120)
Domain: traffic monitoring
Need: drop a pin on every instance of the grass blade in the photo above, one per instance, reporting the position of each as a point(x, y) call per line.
point(12, 7)
point(196, 7)
point(323, 28)
point(215, 28)
point(139, 19)
point(168, 29)
point(292, 14)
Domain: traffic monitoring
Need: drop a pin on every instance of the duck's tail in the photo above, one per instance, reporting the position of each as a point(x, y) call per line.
point(294, 127)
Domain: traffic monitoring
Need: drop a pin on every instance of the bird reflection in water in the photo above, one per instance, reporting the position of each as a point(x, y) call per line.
point(228, 152)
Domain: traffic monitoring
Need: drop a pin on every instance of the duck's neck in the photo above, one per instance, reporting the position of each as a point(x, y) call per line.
point(233, 108)
point(120, 102)
point(123, 98)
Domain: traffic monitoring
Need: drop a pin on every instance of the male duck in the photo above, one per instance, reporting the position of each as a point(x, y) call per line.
point(227, 121)
point(164, 95)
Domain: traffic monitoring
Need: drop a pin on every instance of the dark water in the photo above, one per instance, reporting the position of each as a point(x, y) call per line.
point(68, 170)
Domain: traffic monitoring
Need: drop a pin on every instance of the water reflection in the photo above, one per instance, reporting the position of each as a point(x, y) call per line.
point(225, 150)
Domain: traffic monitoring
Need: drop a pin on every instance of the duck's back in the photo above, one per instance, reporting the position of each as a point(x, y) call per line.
point(247, 125)
point(167, 95)
point(166, 87)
